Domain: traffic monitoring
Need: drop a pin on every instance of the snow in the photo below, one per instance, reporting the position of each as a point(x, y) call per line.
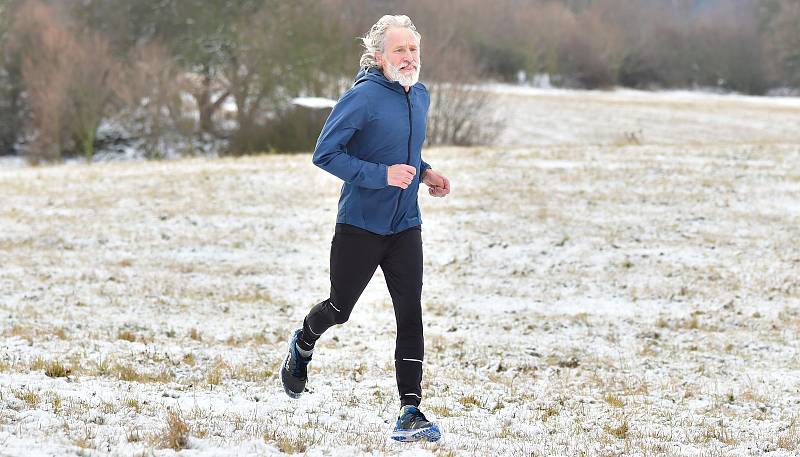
point(314, 102)
point(624, 116)
point(581, 296)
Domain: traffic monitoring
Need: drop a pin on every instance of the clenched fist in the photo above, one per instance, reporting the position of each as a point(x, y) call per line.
point(400, 175)
point(438, 185)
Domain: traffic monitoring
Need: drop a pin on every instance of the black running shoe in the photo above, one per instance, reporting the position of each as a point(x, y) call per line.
point(294, 373)
point(412, 425)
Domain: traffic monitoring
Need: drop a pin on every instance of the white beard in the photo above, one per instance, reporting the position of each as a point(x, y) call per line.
point(404, 80)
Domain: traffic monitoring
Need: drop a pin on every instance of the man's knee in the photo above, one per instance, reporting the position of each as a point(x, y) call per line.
point(326, 314)
point(340, 313)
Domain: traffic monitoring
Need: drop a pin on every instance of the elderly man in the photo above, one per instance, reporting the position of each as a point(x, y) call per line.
point(373, 140)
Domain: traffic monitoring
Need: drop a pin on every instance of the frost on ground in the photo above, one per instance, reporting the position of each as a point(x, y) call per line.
point(617, 298)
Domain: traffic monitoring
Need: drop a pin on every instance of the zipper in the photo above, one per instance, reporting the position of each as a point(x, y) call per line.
point(393, 226)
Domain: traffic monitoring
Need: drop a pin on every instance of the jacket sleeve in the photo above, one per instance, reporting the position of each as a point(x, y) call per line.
point(423, 166)
point(350, 115)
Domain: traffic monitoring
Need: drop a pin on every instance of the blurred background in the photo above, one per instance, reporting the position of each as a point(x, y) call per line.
point(166, 78)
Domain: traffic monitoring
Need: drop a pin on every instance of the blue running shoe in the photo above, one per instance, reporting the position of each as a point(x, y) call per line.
point(412, 425)
point(294, 373)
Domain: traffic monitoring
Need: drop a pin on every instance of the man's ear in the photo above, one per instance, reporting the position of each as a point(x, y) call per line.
point(379, 59)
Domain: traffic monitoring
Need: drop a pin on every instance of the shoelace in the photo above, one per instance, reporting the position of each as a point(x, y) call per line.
point(414, 416)
point(300, 366)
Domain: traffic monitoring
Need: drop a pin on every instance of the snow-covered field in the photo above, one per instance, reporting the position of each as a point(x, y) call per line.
point(621, 276)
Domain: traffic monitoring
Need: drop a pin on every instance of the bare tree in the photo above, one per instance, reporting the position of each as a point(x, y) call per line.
point(93, 88)
point(45, 73)
point(155, 109)
point(70, 79)
point(461, 113)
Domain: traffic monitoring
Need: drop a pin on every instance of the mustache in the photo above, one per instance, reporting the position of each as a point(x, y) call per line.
point(409, 64)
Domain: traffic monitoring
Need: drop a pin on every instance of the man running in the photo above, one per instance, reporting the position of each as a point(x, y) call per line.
point(373, 140)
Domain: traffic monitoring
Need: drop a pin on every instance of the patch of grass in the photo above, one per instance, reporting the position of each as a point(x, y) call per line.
point(103, 367)
point(125, 263)
point(549, 412)
point(189, 359)
point(54, 369)
point(250, 373)
point(754, 394)
point(614, 401)
point(60, 333)
point(129, 373)
point(133, 404)
point(110, 407)
point(133, 435)
point(620, 431)
point(289, 445)
point(437, 343)
point(39, 364)
point(30, 397)
point(214, 377)
point(256, 339)
point(470, 400)
point(175, 435)
point(721, 434)
point(357, 372)
point(504, 432)
point(789, 439)
point(126, 335)
point(571, 362)
point(200, 431)
point(55, 403)
point(730, 397)
point(19, 330)
point(441, 411)
point(87, 440)
point(195, 334)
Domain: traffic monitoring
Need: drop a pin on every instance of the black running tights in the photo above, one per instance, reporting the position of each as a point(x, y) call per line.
point(355, 255)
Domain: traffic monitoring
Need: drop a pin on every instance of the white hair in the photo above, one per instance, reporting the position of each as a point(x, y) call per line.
point(375, 40)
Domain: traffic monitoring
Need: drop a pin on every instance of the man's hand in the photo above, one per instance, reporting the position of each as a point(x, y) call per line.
point(438, 185)
point(400, 175)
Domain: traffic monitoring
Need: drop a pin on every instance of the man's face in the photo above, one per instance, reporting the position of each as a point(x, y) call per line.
point(400, 59)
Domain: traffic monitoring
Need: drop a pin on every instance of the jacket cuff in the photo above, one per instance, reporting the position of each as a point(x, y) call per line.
point(384, 175)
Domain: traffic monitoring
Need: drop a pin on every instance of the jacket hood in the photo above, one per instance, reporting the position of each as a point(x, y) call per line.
point(374, 74)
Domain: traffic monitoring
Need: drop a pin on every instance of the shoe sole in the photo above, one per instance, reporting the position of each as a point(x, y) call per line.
point(430, 434)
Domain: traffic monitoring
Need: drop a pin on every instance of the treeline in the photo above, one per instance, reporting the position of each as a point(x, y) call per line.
point(161, 72)
point(186, 76)
point(748, 46)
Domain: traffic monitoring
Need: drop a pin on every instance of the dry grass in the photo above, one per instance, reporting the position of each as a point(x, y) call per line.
point(126, 335)
point(175, 435)
point(790, 438)
point(56, 369)
point(602, 301)
point(30, 397)
point(614, 401)
point(620, 431)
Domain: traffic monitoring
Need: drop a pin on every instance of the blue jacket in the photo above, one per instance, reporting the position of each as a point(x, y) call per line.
point(374, 125)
